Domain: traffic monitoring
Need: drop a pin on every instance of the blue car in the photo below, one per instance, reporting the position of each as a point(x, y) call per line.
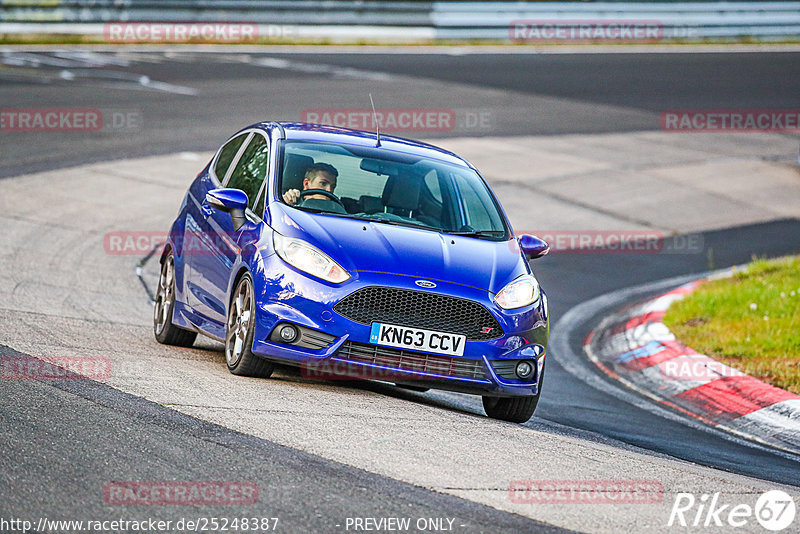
point(356, 255)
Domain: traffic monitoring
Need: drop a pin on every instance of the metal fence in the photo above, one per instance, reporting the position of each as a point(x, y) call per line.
point(409, 19)
point(678, 20)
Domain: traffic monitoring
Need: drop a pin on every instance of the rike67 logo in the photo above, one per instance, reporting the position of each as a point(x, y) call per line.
point(774, 510)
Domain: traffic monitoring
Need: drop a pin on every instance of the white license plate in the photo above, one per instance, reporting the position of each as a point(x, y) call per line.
point(417, 339)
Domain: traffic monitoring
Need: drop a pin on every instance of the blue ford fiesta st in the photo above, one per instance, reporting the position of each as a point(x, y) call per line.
point(356, 254)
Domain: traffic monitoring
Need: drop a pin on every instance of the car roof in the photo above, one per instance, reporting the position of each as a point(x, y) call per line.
point(302, 131)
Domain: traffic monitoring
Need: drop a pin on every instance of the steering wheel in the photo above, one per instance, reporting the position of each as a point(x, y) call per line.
point(307, 192)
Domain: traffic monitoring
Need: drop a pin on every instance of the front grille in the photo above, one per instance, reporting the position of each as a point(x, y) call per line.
point(411, 361)
point(420, 309)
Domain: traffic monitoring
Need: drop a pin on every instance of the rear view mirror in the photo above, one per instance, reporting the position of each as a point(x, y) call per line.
point(533, 247)
point(379, 167)
point(233, 201)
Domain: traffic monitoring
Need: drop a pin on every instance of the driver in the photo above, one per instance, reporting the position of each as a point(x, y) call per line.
point(318, 176)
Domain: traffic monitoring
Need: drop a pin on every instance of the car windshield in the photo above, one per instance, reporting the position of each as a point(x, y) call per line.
point(381, 185)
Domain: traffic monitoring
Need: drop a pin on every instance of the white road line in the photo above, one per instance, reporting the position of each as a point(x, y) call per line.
point(87, 66)
point(578, 365)
point(322, 69)
point(666, 380)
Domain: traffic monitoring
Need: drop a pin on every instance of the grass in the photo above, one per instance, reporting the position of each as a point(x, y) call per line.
point(750, 321)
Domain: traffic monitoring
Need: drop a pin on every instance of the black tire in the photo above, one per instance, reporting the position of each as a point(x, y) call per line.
point(166, 332)
point(513, 409)
point(239, 334)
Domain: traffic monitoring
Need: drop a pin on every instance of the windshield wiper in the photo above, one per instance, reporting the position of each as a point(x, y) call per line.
point(371, 218)
point(386, 220)
point(399, 223)
point(311, 210)
point(476, 233)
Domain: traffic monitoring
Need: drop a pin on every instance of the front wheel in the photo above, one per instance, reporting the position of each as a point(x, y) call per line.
point(239, 334)
point(511, 409)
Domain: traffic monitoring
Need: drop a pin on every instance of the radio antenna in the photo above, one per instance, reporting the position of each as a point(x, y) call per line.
point(377, 126)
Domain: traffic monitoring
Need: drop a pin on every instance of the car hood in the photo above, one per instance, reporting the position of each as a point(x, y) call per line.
point(371, 246)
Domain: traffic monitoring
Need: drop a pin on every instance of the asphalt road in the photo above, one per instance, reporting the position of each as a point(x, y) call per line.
point(652, 82)
point(65, 440)
point(578, 277)
point(97, 433)
point(516, 94)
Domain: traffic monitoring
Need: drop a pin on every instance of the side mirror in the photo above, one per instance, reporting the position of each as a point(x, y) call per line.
point(533, 247)
point(233, 201)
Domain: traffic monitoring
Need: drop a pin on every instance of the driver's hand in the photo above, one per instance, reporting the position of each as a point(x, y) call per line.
point(291, 196)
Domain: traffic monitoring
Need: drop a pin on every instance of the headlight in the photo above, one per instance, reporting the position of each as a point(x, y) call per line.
point(308, 258)
point(521, 292)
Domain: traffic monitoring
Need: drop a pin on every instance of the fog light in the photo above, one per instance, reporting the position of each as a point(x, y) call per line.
point(524, 370)
point(288, 333)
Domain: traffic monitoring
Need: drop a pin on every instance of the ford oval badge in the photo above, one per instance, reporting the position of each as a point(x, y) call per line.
point(425, 283)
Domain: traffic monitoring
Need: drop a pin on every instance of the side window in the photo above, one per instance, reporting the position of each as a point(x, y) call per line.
point(480, 213)
point(432, 183)
point(227, 154)
point(251, 171)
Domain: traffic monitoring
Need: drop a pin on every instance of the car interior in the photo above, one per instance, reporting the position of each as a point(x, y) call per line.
point(406, 195)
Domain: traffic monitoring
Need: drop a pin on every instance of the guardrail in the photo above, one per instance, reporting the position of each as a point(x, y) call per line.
point(478, 20)
point(311, 12)
point(444, 20)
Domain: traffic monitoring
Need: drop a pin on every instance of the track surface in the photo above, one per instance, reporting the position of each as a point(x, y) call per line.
point(73, 437)
point(524, 94)
point(604, 94)
point(652, 82)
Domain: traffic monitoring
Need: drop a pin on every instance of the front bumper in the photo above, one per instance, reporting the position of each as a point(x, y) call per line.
point(338, 346)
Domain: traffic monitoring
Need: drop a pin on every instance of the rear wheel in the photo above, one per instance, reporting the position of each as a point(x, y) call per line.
point(239, 334)
point(166, 332)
